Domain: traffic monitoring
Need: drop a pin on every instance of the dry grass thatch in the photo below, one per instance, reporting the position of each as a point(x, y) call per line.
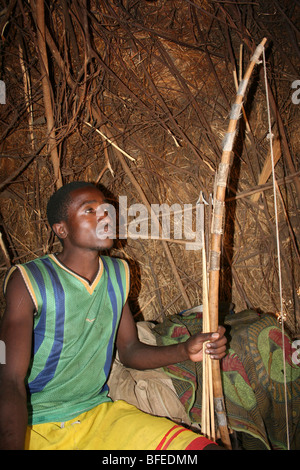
point(136, 95)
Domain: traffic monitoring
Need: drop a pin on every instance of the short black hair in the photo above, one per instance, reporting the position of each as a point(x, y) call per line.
point(58, 204)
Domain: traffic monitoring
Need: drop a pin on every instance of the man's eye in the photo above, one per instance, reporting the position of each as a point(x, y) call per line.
point(90, 210)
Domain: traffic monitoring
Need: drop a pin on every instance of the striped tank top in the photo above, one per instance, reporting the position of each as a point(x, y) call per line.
point(75, 325)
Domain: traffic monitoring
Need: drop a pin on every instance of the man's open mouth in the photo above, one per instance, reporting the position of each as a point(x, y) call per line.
point(105, 230)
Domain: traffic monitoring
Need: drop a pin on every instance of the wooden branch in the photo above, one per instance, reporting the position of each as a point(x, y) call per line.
point(19, 170)
point(27, 95)
point(267, 168)
point(263, 187)
point(5, 252)
point(283, 138)
point(40, 24)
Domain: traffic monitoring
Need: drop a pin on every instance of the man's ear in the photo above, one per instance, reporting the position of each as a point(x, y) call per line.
point(60, 230)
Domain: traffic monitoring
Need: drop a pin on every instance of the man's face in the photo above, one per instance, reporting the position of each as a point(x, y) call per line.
point(89, 225)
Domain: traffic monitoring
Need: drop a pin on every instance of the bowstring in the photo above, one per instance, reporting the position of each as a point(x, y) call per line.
point(275, 185)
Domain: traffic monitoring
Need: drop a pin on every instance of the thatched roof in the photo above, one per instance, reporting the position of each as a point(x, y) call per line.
point(136, 95)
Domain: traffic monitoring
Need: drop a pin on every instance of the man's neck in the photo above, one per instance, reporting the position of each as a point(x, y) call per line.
point(86, 265)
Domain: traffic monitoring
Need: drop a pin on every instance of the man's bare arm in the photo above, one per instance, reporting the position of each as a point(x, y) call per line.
point(138, 355)
point(16, 333)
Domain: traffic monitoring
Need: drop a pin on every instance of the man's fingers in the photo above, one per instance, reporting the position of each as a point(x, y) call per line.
point(213, 343)
point(209, 337)
point(216, 350)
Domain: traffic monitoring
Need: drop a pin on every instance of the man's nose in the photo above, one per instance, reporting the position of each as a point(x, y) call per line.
point(102, 213)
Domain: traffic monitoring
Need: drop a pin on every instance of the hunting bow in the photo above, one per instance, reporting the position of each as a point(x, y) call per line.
point(215, 245)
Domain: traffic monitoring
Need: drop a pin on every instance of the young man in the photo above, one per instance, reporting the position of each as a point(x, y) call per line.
point(63, 316)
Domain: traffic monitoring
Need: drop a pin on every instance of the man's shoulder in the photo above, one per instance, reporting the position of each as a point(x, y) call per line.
point(16, 270)
point(115, 265)
point(112, 260)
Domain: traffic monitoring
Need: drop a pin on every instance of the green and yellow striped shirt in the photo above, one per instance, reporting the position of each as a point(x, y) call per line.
point(75, 325)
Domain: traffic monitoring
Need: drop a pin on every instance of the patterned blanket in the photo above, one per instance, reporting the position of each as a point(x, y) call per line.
point(252, 375)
